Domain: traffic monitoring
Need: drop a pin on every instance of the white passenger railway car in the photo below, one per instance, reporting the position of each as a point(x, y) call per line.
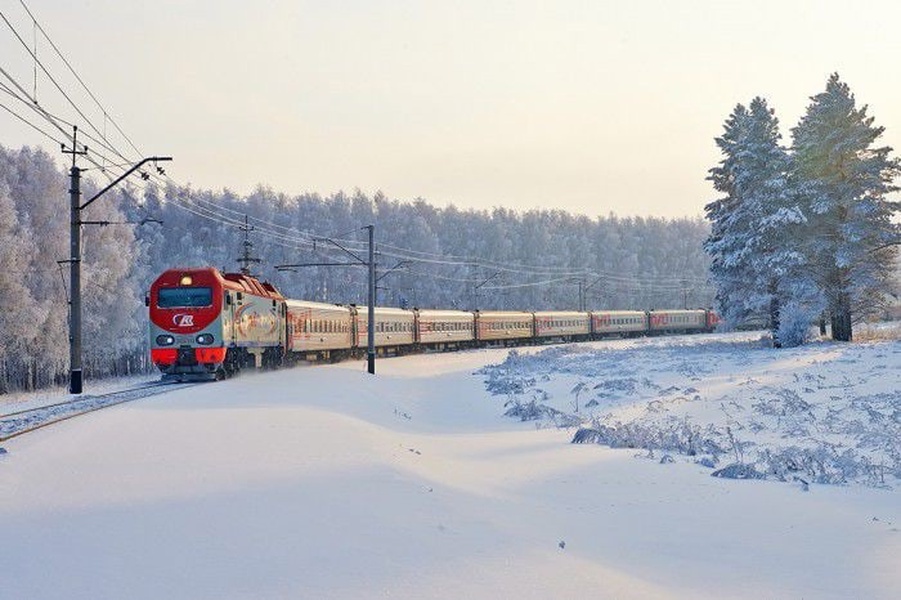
point(444, 327)
point(568, 325)
point(315, 327)
point(612, 322)
point(394, 327)
point(492, 326)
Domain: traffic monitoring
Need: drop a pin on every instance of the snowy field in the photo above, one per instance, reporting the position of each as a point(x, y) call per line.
point(325, 482)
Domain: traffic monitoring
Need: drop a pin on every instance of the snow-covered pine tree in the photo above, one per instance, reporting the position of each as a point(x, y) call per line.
point(727, 269)
point(843, 180)
point(751, 237)
point(773, 217)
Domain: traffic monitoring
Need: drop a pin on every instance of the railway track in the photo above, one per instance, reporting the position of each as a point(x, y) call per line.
point(24, 421)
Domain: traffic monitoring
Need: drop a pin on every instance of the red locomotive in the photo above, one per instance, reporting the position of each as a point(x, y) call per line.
point(204, 323)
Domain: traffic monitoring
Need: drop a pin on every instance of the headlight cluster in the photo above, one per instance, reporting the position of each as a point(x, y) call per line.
point(165, 340)
point(205, 339)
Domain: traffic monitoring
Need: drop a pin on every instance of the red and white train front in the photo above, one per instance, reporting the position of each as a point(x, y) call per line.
point(206, 324)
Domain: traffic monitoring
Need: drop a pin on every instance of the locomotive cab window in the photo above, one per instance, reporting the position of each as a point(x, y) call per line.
point(182, 297)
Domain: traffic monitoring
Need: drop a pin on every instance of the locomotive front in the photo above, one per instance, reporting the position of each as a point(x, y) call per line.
point(186, 323)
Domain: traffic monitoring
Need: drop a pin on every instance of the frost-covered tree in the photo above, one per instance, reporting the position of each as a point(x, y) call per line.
point(728, 269)
point(754, 225)
point(19, 308)
point(38, 192)
point(843, 179)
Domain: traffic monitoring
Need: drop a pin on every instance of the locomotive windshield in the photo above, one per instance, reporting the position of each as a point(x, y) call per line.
point(181, 297)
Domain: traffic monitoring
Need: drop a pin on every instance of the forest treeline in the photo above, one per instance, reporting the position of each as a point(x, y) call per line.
point(427, 257)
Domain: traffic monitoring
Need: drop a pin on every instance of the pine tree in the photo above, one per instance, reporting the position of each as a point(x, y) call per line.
point(753, 240)
point(843, 180)
point(726, 270)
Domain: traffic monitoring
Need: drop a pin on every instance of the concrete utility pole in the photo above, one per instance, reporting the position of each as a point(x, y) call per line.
point(370, 340)
point(75, 223)
point(75, 371)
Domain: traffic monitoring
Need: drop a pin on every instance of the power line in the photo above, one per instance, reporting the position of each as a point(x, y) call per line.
point(279, 234)
point(72, 70)
point(52, 79)
point(29, 123)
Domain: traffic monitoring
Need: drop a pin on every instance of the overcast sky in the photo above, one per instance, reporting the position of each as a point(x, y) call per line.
point(589, 107)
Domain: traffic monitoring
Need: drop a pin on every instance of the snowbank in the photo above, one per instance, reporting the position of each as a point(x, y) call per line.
point(324, 482)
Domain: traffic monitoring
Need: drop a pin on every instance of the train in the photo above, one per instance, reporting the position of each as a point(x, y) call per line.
point(208, 324)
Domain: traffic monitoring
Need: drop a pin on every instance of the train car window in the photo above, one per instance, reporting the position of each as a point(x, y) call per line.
point(184, 297)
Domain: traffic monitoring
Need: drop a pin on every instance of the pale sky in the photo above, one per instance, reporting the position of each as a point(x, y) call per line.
point(591, 107)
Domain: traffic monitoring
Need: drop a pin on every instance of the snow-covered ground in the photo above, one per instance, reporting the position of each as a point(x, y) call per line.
point(325, 482)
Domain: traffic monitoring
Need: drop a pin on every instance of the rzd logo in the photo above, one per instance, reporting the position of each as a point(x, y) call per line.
point(183, 320)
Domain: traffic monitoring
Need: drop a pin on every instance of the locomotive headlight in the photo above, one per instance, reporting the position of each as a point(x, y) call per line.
point(165, 340)
point(205, 339)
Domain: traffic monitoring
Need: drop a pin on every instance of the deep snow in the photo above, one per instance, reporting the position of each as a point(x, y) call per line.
point(325, 482)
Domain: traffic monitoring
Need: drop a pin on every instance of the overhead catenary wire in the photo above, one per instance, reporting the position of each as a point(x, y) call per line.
point(32, 104)
point(52, 79)
point(278, 234)
point(78, 77)
point(29, 123)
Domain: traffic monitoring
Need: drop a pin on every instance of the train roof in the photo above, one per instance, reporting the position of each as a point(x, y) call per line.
point(317, 305)
point(445, 313)
point(252, 285)
point(362, 310)
point(239, 282)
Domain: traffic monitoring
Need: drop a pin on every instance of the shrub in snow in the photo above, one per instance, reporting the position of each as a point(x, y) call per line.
point(738, 471)
point(587, 436)
point(794, 325)
point(672, 435)
point(825, 463)
point(509, 377)
point(708, 461)
point(534, 410)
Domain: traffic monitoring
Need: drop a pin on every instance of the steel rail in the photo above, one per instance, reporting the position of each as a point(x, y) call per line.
point(17, 423)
